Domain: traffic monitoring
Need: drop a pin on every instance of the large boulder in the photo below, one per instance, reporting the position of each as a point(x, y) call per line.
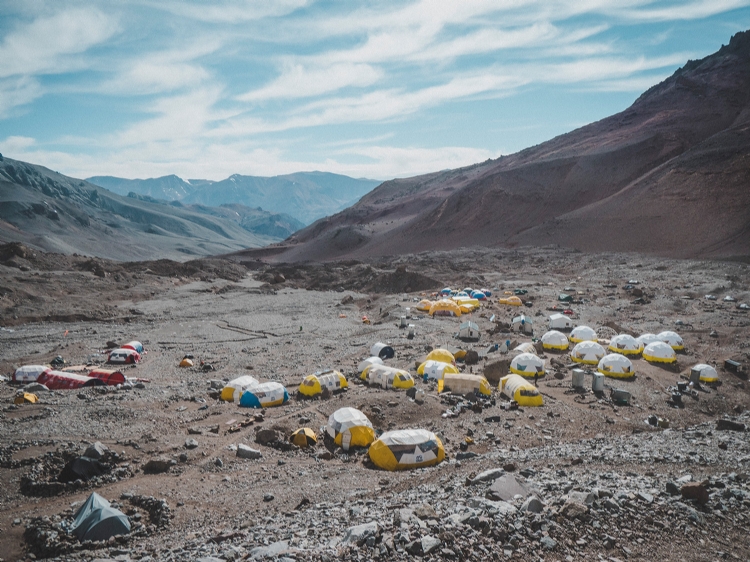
point(245, 452)
point(506, 487)
point(158, 465)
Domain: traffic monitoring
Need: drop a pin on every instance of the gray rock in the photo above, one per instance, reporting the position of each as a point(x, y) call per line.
point(487, 475)
point(270, 551)
point(499, 508)
point(95, 451)
point(611, 504)
point(210, 559)
point(430, 543)
point(573, 509)
point(191, 443)
point(268, 436)
point(425, 511)
point(532, 505)
point(216, 385)
point(673, 489)
point(158, 465)
point(586, 498)
point(643, 496)
point(361, 532)
point(464, 455)
point(35, 387)
point(414, 548)
point(548, 543)
point(245, 452)
point(506, 487)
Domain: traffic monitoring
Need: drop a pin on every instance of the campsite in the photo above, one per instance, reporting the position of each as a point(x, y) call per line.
point(200, 474)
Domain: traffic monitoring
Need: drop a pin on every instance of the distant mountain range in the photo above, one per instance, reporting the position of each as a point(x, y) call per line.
point(306, 196)
point(668, 176)
point(56, 213)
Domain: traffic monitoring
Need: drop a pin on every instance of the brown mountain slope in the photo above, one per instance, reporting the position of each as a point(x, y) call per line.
point(668, 176)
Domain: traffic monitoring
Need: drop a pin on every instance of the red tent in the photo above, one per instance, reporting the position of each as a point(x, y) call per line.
point(122, 355)
point(57, 380)
point(109, 376)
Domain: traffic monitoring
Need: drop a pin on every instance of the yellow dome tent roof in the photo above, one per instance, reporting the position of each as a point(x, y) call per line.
point(350, 428)
point(440, 354)
point(445, 307)
point(234, 388)
point(587, 352)
point(616, 366)
point(424, 305)
point(304, 437)
point(554, 340)
point(625, 344)
point(517, 388)
point(511, 301)
point(312, 385)
point(659, 352)
point(407, 448)
point(527, 365)
point(432, 369)
point(186, 362)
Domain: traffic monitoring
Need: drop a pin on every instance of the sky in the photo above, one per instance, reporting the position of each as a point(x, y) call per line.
point(147, 88)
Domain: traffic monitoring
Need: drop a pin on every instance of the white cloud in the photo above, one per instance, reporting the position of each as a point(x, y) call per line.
point(48, 44)
point(15, 92)
point(232, 11)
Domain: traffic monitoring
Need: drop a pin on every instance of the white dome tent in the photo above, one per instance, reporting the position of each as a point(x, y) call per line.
point(659, 352)
point(707, 373)
point(625, 344)
point(587, 352)
point(616, 366)
point(555, 341)
point(646, 339)
point(672, 339)
point(527, 365)
point(583, 333)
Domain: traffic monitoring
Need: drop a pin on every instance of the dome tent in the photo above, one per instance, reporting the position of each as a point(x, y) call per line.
point(672, 339)
point(367, 362)
point(407, 448)
point(234, 388)
point(312, 385)
point(303, 437)
point(460, 383)
point(445, 307)
point(350, 428)
point(616, 366)
point(264, 395)
point(659, 352)
point(625, 344)
point(527, 365)
point(95, 520)
point(135, 346)
point(517, 388)
point(587, 352)
point(123, 356)
point(441, 354)
point(388, 377)
point(511, 301)
point(583, 333)
point(646, 339)
point(707, 373)
point(424, 305)
point(555, 341)
point(435, 370)
point(29, 373)
point(110, 377)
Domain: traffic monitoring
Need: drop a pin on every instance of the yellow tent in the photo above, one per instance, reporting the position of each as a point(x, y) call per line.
point(432, 369)
point(234, 388)
point(440, 354)
point(186, 362)
point(25, 398)
point(314, 384)
point(424, 305)
point(461, 383)
point(519, 389)
point(511, 301)
point(350, 428)
point(445, 307)
point(407, 448)
point(388, 377)
point(304, 437)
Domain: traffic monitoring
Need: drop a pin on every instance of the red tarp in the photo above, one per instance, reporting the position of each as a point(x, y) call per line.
point(57, 380)
point(109, 377)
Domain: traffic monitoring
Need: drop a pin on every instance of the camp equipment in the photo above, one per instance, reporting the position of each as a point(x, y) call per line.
point(58, 380)
point(672, 339)
point(555, 341)
point(95, 520)
point(435, 370)
point(517, 388)
point(312, 385)
point(560, 322)
point(587, 352)
point(479, 295)
point(233, 390)
point(583, 333)
point(625, 344)
point(350, 428)
point(579, 378)
point(620, 396)
point(29, 373)
point(597, 383)
point(706, 373)
point(460, 383)
point(135, 346)
point(616, 366)
point(382, 350)
point(527, 365)
point(445, 307)
point(25, 398)
point(388, 377)
point(304, 437)
point(264, 395)
point(407, 448)
point(186, 362)
point(659, 352)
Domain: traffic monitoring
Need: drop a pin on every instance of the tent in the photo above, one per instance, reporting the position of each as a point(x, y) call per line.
point(554, 340)
point(186, 362)
point(460, 383)
point(435, 370)
point(588, 352)
point(468, 331)
point(369, 361)
point(523, 324)
point(646, 339)
point(109, 377)
point(57, 380)
point(233, 390)
point(583, 333)
point(81, 468)
point(659, 352)
point(312, 385)
point(625, 344)
point(407, 448)
point(486, 292)
point(382, 350)
point(479, 295)
point(29, 373)
point(135, 346)
point(511, 301)
point(472, 302)
point(304, 437)
point(522, 391)
point(264, 395)
point(616, 366)
point(672, 339)
point(445, 307)
point(707, 373)
point(441, 354)
point(25, 398)
point(96, 520)
point(560, 322)
point(527, 365)
point(350, 428)
point(446, 291)
point(122, 356)
point(388, 377)
point(424, 305)
point(525, 347)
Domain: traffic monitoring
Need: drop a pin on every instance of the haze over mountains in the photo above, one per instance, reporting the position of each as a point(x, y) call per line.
point(669, 176)
point(306, 196)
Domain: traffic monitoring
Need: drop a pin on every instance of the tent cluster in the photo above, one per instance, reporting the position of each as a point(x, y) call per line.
point(452, 302)
point(66, 380)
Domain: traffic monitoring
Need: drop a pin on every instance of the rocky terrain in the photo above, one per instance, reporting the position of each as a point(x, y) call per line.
point(579, 478)
point(668, 176)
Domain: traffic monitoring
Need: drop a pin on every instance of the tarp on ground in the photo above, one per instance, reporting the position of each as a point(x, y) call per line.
point(349, 427)
point(29, 373)
point(233, 390)
point(96, 520)
point(312, 385)
point(462, 383)
point(406, 449)
point(265, 395)
point(57, 380)
point(517, 388)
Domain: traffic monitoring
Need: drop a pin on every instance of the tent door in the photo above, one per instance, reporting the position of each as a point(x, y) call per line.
point(346, 440)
